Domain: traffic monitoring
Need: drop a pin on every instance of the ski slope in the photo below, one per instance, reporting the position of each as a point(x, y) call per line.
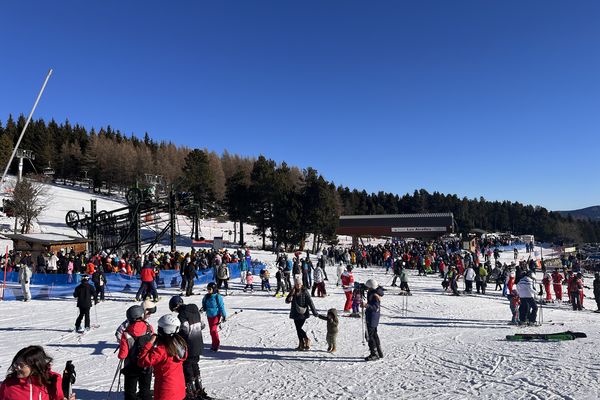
point(442, 347)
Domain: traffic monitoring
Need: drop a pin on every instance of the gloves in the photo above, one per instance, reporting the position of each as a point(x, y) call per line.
point(223, 319)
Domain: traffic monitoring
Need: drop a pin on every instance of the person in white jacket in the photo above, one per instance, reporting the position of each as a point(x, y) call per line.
point(25, 278)
point(528, 307)
point(469, 278)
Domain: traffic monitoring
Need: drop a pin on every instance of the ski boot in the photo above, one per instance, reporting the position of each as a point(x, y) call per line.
point(372, 357)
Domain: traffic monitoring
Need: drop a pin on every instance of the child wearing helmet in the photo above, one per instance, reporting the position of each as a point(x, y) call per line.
point(136, 334)
point(356, 300)
point(165, 353)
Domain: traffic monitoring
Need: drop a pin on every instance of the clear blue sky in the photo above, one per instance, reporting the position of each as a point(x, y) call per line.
point(479, 98)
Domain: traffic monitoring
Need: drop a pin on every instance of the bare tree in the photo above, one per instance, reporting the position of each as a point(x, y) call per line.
point(29, 202)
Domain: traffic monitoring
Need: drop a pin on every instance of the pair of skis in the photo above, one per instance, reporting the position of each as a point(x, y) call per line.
point(526, 337)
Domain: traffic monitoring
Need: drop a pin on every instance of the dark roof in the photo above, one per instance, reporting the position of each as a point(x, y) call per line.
point(46, 238)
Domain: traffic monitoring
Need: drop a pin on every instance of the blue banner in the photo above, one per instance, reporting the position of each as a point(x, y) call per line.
point(45, 286)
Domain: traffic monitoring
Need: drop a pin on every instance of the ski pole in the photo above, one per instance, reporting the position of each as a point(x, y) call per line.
point(115, 377)
point(362, 324)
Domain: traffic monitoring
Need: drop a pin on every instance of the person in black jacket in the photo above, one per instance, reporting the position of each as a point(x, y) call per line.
point(302, 303)
point(84, 293)
point(191, 332)
point(189, 274)
point(99, 281)
point(372, 314)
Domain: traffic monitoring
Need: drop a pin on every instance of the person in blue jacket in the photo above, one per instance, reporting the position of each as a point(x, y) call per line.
point(372, 314)
point(214, 307)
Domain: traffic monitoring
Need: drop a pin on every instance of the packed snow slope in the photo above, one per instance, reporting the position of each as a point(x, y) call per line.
point(441, 347)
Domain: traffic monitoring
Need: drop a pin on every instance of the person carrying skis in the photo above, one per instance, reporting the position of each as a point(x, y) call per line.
point(372, 314)
point(214, 307)
point(191, 331)
point(30, 376)
point(453, 278)
point(84, 293)
point(301, 304)
point(557, 279)
point(348, 286)
point(165, 354)
point(136, 335)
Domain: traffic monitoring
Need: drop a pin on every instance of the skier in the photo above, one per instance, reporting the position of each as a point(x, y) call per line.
point(557, 279)
point(372, 313)
point(356, 300)
point(136, 335)
point(24, 279)
point(404, 289)
point(166, 358)
point(318, 282)
point(264, 280)
point(481, 279)
point(339, 271)
point(332, 329)
point(149, 309)
point(84, 293)
point(30, 377)
point(213, 306)
point(301, 304)
point(191, 332)
point(528, 307)
point(514, 301)
point(546, 282)
point(249, 282)
point(147, 287)
point(348, 286)
point(453, 278)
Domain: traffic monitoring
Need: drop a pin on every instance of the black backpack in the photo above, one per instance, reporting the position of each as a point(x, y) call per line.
point(135, 344)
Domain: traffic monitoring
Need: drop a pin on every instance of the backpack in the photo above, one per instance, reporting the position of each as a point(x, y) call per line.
point(135, 343)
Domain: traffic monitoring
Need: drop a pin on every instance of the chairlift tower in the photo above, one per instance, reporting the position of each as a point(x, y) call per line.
point(21, 155)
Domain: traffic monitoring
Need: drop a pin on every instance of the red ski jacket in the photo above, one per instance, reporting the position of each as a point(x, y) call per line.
point(14, 388)
point(169, 382)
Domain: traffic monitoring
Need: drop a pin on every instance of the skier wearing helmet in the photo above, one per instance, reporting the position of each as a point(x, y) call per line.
point(191, 332)
point(165, 353)
point(135, 336)
point(372, 313)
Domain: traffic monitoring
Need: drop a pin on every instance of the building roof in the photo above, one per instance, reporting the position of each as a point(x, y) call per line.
point(47, 238)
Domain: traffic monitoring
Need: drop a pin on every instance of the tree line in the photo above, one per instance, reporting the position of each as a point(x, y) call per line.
point(284, 203)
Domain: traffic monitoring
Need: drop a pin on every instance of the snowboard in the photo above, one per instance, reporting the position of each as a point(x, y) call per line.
point(524, 337)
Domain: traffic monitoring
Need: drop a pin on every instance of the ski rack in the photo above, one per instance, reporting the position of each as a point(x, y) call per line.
point(122, 228)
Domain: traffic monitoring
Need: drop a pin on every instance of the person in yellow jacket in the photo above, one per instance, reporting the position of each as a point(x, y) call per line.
point(481, 278)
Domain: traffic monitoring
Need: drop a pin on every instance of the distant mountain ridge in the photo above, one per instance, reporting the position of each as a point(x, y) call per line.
point(592, 213)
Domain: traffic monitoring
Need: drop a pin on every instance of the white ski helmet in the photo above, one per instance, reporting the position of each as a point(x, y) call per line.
point(169, 324)
point(371, 284)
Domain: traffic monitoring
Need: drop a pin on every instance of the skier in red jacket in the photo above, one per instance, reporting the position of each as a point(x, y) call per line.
point(167, 359)
point(348, 286)
point(557, 279)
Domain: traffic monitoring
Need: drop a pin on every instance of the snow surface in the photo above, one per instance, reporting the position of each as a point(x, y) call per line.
point(445, 347)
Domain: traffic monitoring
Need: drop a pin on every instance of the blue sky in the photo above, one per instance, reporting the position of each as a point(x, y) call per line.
point(478, 98)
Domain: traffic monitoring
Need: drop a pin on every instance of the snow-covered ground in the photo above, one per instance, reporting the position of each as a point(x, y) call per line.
point(442, 347)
